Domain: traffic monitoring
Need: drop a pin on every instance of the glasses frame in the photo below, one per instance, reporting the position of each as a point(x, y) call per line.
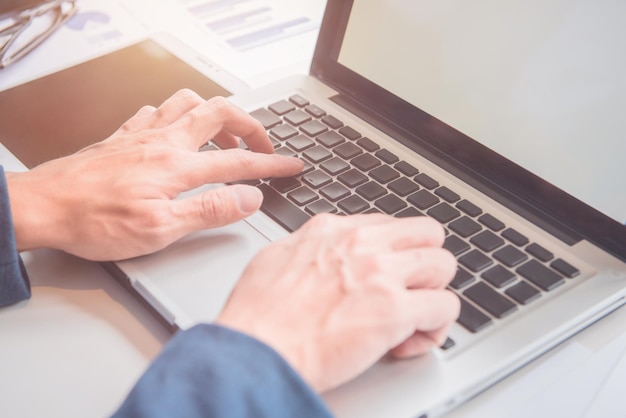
point(62, 10)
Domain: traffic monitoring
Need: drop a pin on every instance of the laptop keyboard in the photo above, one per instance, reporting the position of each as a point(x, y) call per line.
point(346, 173)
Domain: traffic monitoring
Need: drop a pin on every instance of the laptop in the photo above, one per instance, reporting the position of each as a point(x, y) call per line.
point(502, 122)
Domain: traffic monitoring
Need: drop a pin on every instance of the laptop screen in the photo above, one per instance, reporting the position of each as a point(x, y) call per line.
point(539, 82)
point(514, 99)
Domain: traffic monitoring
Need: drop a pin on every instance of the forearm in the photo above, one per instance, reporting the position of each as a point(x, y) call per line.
point(212, 371)
point(14, 285)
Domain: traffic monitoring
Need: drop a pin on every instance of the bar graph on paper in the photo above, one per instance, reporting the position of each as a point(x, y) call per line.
point(248, 24)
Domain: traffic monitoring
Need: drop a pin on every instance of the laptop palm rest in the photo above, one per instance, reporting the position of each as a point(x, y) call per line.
point(190, 281)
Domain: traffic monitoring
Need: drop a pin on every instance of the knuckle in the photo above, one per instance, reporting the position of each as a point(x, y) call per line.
point(188, 95)
point(214, 208)
point(219, 103)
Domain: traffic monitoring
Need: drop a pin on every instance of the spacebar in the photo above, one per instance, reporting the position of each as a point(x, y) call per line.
point(281, 210)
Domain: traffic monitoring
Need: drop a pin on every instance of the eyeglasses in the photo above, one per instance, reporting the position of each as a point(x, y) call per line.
point(28, 28)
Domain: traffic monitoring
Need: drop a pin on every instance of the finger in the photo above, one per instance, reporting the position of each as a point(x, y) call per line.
point(218, 207)
point(433, 325)
point(226, 140)
point(174, 107)
point(432, 313)
point(420, 343)
point(398, 234)
point(137, 121)
point(215, 115)
point(433, 268)
point(230, 165)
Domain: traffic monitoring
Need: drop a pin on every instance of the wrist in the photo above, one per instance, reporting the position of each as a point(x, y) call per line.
point(29, 212)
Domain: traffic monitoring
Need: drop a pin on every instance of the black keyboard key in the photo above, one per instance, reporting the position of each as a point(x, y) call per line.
point(317, 154)
point(384, 174)
point(465, 226)
point(426, 181)
point(491, 222)
point(286, 151)
point(352, 178)
point(297, 117)
point(540, 275)
point(313, 128)
point(515, 237)
point(315, 111)
point(423, 199)
point(565, 268)
point(403, 186)
point(510, 256)
point(475, 260)
point(367, 144)
point(365, 162)
point(408, 212)
point(539, 252)
point(371, 190)
point(281, 210)
point(334, 192)
point(308, 167)
point(302, 196)
point(498, 276)
point(349, 133)
point(316, 179)
point(332, 121)
point(300, 142)
point(330, 139)
point(455, 245)
point(283, 132)
point(348, 150)
point(335, 166)
point(267, 118)
point(472, 318)
point(469, 208)
point(523, 293)
point(353, 204)
point(448, 344)
point(461, 279)
point(298, 100)
point(447, 194)
point(320, 206)
point(487, 241)
point(285, 184)
point(443, 212)
point(390, 204)
point(406, 169)
point(281, 107)
point(387, 156)
point(490, 300)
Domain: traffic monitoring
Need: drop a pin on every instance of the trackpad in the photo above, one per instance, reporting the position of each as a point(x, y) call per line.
point(193, 277)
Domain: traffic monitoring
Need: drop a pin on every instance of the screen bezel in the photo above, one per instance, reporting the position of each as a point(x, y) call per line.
point(539, 201)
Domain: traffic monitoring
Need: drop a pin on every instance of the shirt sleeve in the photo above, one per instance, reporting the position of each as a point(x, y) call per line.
point(14, 283)
point(213, 371)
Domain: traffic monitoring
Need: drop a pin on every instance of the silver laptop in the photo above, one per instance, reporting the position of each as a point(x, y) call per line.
point(503, 121)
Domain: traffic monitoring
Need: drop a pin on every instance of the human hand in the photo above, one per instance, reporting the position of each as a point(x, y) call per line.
point(339, 293)
point(117, 199)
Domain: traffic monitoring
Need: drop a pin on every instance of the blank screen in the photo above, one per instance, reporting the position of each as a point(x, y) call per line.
point(59, 114)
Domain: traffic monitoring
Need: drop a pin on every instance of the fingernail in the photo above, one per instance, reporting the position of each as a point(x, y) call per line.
point(248, 198)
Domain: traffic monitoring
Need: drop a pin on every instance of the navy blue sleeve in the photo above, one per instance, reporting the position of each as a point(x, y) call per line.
point(14, 284)
point(213, 371)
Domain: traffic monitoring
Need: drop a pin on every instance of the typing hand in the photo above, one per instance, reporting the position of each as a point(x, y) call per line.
point(116, 199)
point(340, 292)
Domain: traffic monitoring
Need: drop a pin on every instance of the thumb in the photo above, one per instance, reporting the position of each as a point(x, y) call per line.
point(222, 206)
